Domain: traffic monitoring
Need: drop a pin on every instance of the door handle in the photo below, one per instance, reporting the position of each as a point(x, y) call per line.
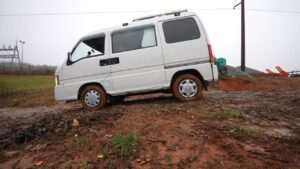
point(104, 62)
point(114, 61)
point(110, 61)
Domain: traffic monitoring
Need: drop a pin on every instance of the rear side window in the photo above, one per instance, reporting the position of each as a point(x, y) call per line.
point(88, 48)
point(133, 39)
point(181, 30)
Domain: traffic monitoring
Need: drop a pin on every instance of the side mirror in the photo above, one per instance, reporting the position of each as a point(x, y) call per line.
point(69, 55)
point(69, 59)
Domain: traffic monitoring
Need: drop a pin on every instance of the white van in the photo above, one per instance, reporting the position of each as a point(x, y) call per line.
point(168, 52)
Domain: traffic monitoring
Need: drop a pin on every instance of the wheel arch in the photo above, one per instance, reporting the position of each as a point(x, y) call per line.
point(189, 71)
point(88, 84)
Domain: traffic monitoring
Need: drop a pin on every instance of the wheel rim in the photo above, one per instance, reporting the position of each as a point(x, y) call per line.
point(188, 88)
point(92, 98)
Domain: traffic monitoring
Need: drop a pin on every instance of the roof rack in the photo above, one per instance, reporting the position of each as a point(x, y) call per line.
point(176, 13)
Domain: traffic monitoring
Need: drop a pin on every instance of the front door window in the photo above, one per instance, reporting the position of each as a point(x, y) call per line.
point(88, 48)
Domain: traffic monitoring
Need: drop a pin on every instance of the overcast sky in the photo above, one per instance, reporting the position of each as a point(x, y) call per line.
point(272, 38)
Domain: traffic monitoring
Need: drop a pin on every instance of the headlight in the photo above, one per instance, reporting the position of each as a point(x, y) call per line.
point(56, 80)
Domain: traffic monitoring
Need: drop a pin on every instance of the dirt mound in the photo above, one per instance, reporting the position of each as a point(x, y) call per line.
point(267, 83)
point(239, 84)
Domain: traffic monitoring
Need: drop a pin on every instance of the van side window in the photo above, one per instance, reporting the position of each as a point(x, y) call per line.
point(88, 48)
point(181, 30)
point(133, 39)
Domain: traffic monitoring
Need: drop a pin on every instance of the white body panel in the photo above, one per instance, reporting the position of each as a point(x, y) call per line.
point(186, 50)
point(140, 70)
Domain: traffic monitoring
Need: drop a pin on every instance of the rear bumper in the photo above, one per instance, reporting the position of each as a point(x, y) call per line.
point(215, 73)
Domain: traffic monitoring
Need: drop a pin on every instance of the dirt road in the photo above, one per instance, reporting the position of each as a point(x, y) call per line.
point(238, 124)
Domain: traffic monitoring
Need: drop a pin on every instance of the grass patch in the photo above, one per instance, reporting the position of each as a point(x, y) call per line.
point(85, 164)
point(122, 146)
point(126, 144)
point(227, 113)
point(28, 91)
point(80, 141)
point(244, 132)
point(2, 157)
point(10, 84)
point(225, 76)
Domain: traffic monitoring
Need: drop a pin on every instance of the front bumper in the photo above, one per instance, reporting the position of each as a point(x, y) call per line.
point(59, 93)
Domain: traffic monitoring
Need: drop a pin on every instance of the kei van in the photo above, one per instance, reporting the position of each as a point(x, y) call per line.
point(167, 52)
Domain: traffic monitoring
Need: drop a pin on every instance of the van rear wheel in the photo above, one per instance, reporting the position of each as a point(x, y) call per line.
point(187, 87)
point(93, 97)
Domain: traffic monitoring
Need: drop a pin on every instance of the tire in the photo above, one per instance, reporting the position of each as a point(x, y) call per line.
point(93, 97)
point(187, 87)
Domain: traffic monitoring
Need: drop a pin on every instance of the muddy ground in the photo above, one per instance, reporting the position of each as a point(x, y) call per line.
point(253, 123)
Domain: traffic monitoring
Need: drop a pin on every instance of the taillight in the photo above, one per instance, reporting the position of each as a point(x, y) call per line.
point(211, 56)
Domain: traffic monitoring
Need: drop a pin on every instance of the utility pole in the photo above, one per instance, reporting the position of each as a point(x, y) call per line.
point(22, 43)
point(243, 37)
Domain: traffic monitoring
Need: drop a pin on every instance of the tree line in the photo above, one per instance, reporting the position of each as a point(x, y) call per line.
point(26, 69)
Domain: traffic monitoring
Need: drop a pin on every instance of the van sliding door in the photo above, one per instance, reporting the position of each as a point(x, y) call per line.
point(140, 62)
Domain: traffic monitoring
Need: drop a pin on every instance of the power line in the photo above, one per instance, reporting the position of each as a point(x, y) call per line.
point(142, 11)
point(72, 13)
point(278, 11)
point(103, 12)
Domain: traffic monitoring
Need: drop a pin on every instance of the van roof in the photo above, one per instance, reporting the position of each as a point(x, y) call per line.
point(145, 20)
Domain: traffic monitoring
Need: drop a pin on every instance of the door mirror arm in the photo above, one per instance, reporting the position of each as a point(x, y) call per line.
point(69, 59)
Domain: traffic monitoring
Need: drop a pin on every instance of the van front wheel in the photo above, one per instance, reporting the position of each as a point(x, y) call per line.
point(93, 97)
point(187, 87)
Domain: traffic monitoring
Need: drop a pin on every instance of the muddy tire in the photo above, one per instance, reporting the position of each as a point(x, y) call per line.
point(187, 87)
point(93, 97)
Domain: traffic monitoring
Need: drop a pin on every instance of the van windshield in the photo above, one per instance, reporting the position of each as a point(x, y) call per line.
point(88, 48)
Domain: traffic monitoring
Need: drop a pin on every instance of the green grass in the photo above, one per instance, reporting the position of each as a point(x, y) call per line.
point(122, 146)
point(26, 91)
point(227, 113)
point(126, 144)
point(16, 83)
